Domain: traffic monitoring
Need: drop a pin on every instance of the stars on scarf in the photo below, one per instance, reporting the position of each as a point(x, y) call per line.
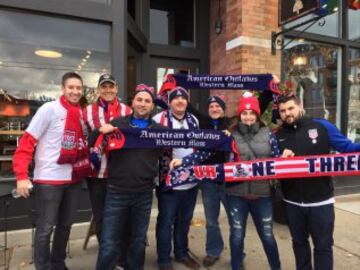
point(197, 157)
point(275, 151)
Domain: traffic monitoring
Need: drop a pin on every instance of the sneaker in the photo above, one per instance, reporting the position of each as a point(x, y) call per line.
point(189, 262)
point(210, 261)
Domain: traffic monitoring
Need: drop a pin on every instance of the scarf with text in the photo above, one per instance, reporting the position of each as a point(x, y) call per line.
point(343, 164)
point(165, 138)
point(258, 82)
point(74, 149)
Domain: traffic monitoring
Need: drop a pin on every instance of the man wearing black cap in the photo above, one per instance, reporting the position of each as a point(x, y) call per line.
point(176, 206)
point(130, 184)
point(105, 109)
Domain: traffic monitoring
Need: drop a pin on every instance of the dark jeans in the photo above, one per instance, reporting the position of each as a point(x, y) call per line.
point(317, 222)
point(121, 211)
point(213, 195)
point(261, 212)
point(56, 205)
point(176, 208)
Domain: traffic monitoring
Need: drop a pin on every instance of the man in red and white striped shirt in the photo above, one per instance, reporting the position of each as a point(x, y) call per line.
point(105, 109)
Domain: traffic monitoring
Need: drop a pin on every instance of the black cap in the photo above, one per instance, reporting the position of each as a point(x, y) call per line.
point(106, 78)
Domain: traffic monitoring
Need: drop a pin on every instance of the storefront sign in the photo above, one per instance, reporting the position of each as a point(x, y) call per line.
point(290, 10)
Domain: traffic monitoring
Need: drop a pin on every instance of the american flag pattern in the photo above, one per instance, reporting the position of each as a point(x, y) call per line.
point(344, 164)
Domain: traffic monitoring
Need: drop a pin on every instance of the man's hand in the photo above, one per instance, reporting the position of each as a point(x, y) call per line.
point(23, 188)
point(287, 153)
point(226, 132)
point(175, 163)
point(106, 128)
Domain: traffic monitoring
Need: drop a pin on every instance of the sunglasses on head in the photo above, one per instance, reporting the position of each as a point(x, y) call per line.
point(144, 87)
point(287, 96)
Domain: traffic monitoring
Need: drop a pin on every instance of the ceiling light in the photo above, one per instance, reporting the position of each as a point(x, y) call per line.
point(88, 51)
point(335, 9)
point(48, 53)
point(88, 56)
point(1, 62)
point(79, 66)
point(84, 60)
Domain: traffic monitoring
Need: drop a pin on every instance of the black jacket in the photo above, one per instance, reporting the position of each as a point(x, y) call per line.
point(300, 139)
point(131, 170)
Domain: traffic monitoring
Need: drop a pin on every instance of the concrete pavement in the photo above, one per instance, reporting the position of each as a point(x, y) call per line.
point(346, 246)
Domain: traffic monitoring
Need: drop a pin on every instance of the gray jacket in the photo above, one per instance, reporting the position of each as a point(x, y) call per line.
point(259, 139)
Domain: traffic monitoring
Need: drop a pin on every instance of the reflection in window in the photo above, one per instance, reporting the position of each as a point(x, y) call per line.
point(172, 22)
point(312, 71)
point(330, 28)
point(354, 96)
point(354, 22)
point(35, 51)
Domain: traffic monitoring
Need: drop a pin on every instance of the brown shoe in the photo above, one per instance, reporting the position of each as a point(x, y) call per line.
point(189, 262)
point(210, 261)
point(166, 267)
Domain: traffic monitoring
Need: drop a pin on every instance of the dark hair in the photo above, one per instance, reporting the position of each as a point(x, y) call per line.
point(283, 98)
point(70, 75)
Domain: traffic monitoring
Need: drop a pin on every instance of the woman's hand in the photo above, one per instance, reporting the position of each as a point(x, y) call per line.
point(176, 162)
point(287, 153)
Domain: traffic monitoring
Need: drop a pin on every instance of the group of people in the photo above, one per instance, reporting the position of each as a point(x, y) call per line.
point(121, 181)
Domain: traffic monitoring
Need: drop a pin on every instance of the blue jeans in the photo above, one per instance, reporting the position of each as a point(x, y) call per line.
point(317, 222)
point(261, 212)
point(122, 210)
point(56, 205)
point(176, 208)
point(213, 195)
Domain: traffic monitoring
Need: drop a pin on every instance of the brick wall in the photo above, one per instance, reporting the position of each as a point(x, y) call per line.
point(252, 21)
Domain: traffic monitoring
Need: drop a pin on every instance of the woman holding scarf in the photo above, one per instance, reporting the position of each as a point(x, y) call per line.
point(253, 142)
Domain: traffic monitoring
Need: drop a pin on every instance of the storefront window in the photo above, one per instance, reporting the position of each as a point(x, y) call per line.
point(172, 22)
point(354, 96)
point(35, 51)
point(312, 72)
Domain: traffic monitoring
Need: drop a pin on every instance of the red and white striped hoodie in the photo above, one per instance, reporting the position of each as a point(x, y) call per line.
point(98, 114)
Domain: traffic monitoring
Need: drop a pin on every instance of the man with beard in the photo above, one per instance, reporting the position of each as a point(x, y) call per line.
point(310, 201)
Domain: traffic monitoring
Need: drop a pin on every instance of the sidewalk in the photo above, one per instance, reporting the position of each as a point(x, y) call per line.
point(346, 246)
